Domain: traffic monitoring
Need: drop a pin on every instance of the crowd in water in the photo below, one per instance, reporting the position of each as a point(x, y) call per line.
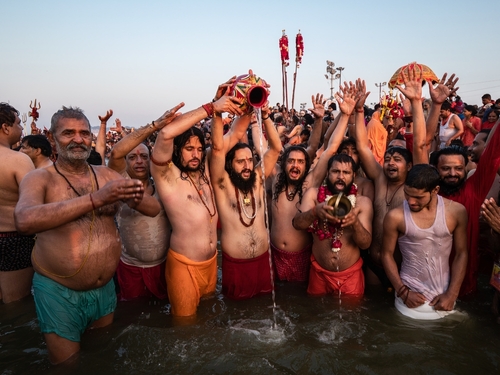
point(402, 197)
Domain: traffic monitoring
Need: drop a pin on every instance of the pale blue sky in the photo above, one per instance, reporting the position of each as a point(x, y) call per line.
point(143, 57)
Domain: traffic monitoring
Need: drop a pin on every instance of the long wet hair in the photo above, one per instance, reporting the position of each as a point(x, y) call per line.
point(180, 141)
point(281, 181)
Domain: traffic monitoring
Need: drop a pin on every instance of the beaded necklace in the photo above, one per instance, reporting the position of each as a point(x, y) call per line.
point(202, 197)
point(328, 230)
point(241, 204)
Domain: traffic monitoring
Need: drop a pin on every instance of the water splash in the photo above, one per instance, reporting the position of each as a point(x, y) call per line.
point(258, 115)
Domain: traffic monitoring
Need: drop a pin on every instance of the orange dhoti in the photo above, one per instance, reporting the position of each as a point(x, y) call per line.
point(188, 281)
point(350, 281)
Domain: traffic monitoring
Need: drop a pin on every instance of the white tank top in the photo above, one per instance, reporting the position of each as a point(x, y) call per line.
point(445, 132)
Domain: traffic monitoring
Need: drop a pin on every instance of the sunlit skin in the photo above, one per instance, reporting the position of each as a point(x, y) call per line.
point(243, 163)
point(192, 153)
point(295, 165)
point(352, 152)
point(138, 162)
point(492, 117)
point(451, 168)
point(477, 147)
point(341, 175)
point(74, 139)
point(395, 167)
point(417, 199)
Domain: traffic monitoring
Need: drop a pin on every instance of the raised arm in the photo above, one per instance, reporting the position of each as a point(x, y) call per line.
point(438, 95)
point(273, 152)
point(370, 165)
point(100, 143)
point(412, 90)
point(318, 112)
point(130, 141)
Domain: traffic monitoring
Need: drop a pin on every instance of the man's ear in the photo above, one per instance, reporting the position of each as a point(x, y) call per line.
point(5, 128)
point(435, 190)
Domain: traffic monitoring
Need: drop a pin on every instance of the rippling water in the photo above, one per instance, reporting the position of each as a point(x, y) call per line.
point(312, 336)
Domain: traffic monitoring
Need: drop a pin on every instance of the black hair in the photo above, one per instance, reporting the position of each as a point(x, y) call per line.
point(342, 158)
point(423, 176)
point(7, 114)
point(346, 142)
point(281, 180)
point(471, 109)
point(402, 151)
point(179, 143)
point(449, 150)
point(39, 141)
point(94, 158)
point(230, 155)
point(446, 106)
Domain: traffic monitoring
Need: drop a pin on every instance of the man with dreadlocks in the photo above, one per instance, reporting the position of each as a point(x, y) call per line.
point(179, 169)
point(291, 248)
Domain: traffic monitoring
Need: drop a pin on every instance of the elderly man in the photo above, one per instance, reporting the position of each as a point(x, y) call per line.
point(70, 206)
point(16, 271)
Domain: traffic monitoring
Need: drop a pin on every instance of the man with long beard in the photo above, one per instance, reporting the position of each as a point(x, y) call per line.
point(336, 264)
point(239, 194)
point(291, 248)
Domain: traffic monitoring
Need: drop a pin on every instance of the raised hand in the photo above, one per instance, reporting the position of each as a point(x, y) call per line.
point(361, 94)
point(318, 109)
point(444, 89)
point(229, 104)
point(346, 98)
point(491, 214)
point(107, 116)
point(223, 87)
point(412, 89)
point(168, 116)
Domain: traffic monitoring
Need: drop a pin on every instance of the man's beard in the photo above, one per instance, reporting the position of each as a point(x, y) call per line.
point(331, 187)
point(447, 189)
point(186, 168)
point(68, 154)
point(298, 182)
point(240, 183)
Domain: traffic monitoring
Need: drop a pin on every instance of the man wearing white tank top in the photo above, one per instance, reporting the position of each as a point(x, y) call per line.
point(425, 227)
point(450, 125)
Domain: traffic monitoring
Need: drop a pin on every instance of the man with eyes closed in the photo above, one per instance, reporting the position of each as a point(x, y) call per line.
point(145, 240)
point(70, 206)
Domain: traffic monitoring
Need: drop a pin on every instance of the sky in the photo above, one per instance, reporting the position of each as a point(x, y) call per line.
point(140, 58)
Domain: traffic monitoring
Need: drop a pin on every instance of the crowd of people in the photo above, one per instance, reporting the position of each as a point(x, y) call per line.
point(342, 197)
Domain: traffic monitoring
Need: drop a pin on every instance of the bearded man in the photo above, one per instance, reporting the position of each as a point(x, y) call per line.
point(239, 194)
point(336, 264)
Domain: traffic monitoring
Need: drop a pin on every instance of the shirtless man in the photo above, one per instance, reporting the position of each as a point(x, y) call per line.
point(388, 180)
point(425, 227)
point(145, 240)
point(239, 193)
point(291, 248)
point(336, 264)
point(70, 206)
point(38, 148)
point(180, 171)
point(16, 271)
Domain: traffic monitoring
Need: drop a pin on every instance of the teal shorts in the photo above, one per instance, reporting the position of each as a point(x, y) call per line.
point(67, 312)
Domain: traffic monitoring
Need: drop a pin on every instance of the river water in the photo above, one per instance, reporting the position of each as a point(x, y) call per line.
point(314, 335)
